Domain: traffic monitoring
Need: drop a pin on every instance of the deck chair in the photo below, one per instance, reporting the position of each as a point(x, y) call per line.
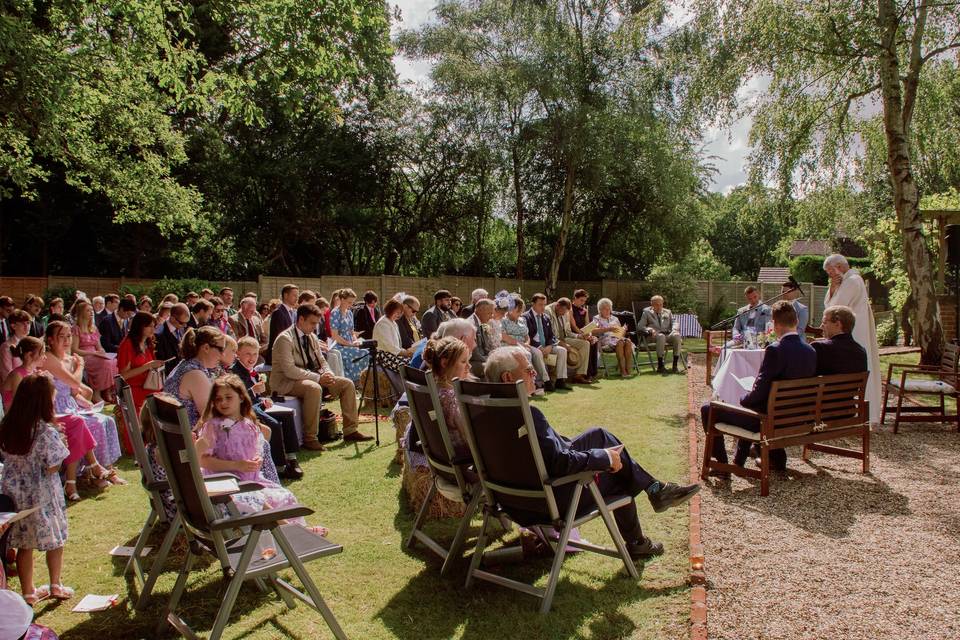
point(941, 381)
point(499, 428)
point(644, 343)
point(450, 474)
point(243, 557)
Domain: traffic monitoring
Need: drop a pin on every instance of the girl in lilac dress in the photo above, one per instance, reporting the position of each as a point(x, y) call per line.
point(231, 441)
point(33, 451)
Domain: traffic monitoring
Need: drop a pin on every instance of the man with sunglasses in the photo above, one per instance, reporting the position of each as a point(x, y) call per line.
point(596, 450)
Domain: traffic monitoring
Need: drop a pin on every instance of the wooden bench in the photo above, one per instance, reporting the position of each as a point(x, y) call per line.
point(807, 412)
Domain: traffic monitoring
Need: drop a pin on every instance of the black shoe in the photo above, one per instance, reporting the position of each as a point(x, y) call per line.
point(561, 384)
point(645, 548)
point(548, 385)
point(292, 471)
point(660, 367)
point(671, 495)
point(675, 370)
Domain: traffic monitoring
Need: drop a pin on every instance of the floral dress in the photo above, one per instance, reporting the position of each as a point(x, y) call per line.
point(172, 386)
point(100, 371)
point(243, 440)
point(342, 321)
point(26, 480)
point(516, 330)
point(607, 339)
point(102, 428)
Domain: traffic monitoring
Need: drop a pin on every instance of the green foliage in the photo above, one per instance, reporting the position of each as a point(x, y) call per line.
point(711, 314)
point(748, 226)
point(888, 332)
point(810, 268)
point(179, 286)
point(68, 293)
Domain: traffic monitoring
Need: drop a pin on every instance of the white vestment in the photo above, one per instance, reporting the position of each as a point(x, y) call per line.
point(853, 293)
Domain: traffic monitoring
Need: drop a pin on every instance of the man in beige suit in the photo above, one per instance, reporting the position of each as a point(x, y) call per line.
point(559, 314)
point(299, 369)
point(657, 323)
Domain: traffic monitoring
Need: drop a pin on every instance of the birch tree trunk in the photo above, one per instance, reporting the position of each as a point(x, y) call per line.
point(561, 244)
point(518, 196)
point(906, 196)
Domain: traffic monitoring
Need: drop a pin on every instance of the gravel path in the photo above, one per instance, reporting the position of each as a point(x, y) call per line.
point(831, 553)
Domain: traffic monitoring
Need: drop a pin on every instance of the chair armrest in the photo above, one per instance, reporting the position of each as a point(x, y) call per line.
point(261, 519)
point(462, 460)
point(735, 408)
point(583, 476)
point(158, 485)
point(244, 487)
point(220, 476)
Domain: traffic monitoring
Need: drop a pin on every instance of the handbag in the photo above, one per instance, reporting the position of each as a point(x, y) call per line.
point(155, 379)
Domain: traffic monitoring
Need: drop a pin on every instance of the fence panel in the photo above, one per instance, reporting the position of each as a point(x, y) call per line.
point(20, 288)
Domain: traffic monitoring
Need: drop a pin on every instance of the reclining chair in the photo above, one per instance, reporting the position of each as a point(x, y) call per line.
point(244, 557)
point(450, 474)
point(499, 428)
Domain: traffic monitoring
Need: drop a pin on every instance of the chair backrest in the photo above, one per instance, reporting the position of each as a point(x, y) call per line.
point(179, 458)
point(499, 428)
point(948, 361)
point(135, 430)
point(822, 402)
point(430, 425)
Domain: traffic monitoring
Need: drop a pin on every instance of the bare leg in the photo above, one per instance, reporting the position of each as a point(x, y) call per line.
point(25, 570)
point(55, 564)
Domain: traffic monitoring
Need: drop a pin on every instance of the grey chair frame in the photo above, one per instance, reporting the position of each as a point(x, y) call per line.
point(444, 466)
point(206, 530)
point(649, 346)
point(515, 396)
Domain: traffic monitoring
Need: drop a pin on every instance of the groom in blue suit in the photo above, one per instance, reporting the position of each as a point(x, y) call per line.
point(787, 359)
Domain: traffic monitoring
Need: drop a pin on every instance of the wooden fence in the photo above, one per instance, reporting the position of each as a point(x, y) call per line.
point(621, 292)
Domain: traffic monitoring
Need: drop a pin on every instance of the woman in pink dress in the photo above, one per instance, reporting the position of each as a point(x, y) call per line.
point(100, 366)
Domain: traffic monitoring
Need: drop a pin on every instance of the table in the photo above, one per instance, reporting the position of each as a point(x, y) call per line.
point(736, 373)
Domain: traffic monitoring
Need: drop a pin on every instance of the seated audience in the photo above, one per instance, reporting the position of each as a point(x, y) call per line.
point(111, 302)
point(190, 381)
point(145, 304)
point(135, 358)
point(459, 328)
point(299, 369)
point(201, 311)
point(612, 337)
point(789, 358)
point(559, 315)
point(440, 312)
point(206, 294)
point(449, 358)
point(6, 308)
point(283, 316)
point(657, 322)
point(246, 322)
point(170, 334)
point(366, 317)
point(596, 450)
point(515, 333)
point(263, 309)
point(219, 318)
point(753, 317)
point(55, 312)
point(543, 338)
point(19, 324)
point(838, 352)
point(226, 295)
point(34, 305)
point(386, 331)
point(172, 298)
point(99, 367)
point(284, 440)
point(478, 294)
point(347, 344)
point(114, 326)
point(191, 298)
point(456, 306)
point(231, 441)
point(99, 308)
point(579, 318)
point(411, 331)
point(482, 312)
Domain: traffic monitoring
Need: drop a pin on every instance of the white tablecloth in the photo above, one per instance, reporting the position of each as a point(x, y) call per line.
point(735, 373)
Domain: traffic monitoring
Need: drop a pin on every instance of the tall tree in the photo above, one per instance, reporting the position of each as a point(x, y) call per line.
point(827, 63)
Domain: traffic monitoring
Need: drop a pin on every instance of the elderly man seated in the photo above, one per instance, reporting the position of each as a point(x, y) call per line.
point(482, 312)
point(597, 450)
point(657, 322)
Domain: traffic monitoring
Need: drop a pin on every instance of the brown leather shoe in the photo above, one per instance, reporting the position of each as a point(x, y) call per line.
point(580, 379)
point(356, 436)
point(313, 445)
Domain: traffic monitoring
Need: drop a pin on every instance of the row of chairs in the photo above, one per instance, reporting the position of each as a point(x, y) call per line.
point(212, 525)
point(504, 476)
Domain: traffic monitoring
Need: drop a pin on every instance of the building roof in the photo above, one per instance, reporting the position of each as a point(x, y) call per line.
point(810, 248)
point(778, 275)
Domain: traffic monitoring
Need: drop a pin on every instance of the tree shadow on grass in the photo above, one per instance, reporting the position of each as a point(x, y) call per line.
point(802, 499)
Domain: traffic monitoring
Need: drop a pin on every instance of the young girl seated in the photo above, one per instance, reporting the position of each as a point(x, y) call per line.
point(230, 440)
point(515, 333)
point(32, 453)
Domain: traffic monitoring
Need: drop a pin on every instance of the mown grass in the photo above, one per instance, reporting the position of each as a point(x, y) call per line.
point(377, 588)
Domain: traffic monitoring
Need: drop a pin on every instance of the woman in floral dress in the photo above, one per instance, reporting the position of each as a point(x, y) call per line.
point(341, 328)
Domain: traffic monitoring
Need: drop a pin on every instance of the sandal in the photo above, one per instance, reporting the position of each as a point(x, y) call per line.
point(72, 496)
point(320, 531)
point(60, 592)
point(100, 480)
point(114, 478)
point(40, 593)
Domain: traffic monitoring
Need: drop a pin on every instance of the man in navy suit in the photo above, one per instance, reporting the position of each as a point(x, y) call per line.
point(283, 317)
point(787, 359)
point(114, 326)
point(595, 450)
point(543, 338)
point(838, 352)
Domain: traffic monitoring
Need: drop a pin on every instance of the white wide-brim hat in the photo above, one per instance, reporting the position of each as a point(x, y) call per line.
point(15, 615)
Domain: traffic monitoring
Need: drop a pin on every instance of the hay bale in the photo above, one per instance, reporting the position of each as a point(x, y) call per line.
point(417, 481)
point(401, 420)
point(387, 398)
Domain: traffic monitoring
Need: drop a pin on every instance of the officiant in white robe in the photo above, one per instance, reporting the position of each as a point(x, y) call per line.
point(848, 288)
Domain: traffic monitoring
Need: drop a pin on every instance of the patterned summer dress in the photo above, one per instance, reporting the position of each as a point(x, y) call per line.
point(25, 479)
point(243, 440)
point(172, 385)
point(102, 428)
point(342, 321)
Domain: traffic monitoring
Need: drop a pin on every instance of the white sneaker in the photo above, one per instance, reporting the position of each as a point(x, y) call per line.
point(539, 392)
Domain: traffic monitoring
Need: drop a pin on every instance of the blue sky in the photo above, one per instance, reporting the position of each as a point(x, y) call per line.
point(728, 147)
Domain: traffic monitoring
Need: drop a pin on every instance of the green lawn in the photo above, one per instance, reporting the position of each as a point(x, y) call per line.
point(376, 588)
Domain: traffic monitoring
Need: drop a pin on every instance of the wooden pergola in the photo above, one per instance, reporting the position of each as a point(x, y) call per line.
point(943, 217)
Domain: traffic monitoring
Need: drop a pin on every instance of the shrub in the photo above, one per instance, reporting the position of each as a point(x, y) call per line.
point(68, 293)
point(179, 286)
point(888, 332)
point(810, 268)
point(709, 315)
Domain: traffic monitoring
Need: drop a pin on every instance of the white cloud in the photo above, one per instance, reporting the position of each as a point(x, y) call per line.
point(727, 149)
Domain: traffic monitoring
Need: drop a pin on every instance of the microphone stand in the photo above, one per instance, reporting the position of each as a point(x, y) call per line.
point(729, 322)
